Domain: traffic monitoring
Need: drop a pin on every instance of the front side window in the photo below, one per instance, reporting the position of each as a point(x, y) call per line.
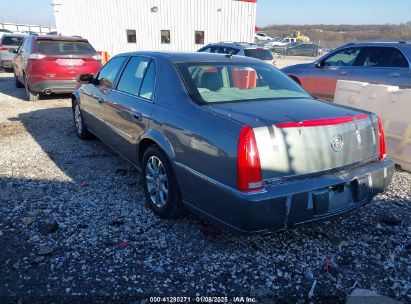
point(108, 73)
point(131, 36)
point(344, 57)
point(165, 36)
point(236, 82)
point(199, 37)
point(132, 78)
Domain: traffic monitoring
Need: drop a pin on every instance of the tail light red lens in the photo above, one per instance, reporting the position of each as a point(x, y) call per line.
point(249, 176)
point(381, 137)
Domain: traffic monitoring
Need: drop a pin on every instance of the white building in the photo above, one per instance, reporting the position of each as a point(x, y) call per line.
point(118, 26)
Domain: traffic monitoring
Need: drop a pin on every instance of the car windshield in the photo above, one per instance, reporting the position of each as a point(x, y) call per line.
point(222, 82)
point(52, 47)
point(9, 40)
point(259, 53)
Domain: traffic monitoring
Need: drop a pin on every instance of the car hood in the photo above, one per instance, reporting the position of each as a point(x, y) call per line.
point(268, 112)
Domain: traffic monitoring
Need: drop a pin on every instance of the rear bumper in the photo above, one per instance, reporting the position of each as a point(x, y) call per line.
point(55, 86)
point(288, 204)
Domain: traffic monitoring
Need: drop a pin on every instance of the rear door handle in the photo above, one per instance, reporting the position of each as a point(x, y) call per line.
point(394, 75)
point(343, 73)
point(138, 116)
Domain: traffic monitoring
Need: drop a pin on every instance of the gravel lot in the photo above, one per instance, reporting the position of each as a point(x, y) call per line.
point(74, 224)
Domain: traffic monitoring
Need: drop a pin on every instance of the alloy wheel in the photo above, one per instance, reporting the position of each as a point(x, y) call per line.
point(157, 183)
point(77, 119)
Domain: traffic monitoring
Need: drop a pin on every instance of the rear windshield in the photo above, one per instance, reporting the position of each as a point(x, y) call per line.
point(262, 54)
point(223, 82)
point(14, 41)
point(64, 47)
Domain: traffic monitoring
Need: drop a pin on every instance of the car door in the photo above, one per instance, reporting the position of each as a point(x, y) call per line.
point(18, 59)
point(95, 94)
point(384, 65)
point(322, 78)
point(129, 107)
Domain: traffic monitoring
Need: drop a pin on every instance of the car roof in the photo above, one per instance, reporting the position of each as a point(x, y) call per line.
point(193, 56)
point(244, 45)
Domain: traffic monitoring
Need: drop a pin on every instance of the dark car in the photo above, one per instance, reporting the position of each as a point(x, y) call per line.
point(372, 62)
point(50, 64)
point(302, 49)
point(233, 139)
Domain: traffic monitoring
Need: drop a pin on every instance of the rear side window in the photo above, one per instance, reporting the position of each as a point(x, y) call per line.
point(14, 41)
point(262, 54)
point(384, 57)
point(132, 78)
point(51, 47)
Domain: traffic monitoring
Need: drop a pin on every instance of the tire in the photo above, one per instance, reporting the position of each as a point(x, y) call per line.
point(31, 96)
point(82, 131)
point(17, 82)
point(160, 184)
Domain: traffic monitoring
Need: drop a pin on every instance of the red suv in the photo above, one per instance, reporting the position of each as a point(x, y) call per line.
point(50, 64)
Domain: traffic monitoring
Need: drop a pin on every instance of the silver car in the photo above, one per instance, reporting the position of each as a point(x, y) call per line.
point(8, 42)
point(232, 139)
point(374, 62)
point(240, 49)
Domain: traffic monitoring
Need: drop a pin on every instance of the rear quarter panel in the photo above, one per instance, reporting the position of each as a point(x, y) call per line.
point(201, 141)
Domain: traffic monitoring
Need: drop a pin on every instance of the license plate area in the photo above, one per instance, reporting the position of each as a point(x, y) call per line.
point(341, 196)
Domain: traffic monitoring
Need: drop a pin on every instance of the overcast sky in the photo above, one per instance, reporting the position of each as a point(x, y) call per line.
point(268, 11)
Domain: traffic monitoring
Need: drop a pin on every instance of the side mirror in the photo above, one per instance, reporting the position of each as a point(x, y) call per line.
point(84, 78)
point(319, 64)
point(13, 51)
point(106, 83)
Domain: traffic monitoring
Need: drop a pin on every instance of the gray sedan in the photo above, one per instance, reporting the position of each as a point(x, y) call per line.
point(232, 139)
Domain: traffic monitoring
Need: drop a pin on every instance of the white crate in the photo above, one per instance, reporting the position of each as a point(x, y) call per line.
point(392, 104)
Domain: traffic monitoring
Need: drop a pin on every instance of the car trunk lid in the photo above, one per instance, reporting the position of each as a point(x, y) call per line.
point(301, 136)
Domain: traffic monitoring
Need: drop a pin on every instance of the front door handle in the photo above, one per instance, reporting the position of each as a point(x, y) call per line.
point(396, 75)
point(342, 73)
point(101, 100)
point(138, 116)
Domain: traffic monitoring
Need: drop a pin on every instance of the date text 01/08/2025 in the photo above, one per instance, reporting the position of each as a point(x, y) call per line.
point(203, 299)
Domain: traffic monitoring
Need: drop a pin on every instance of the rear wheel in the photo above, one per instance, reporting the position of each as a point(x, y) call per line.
point(17, 82)
point(160, 184)
point(81, 128)
point(31, 96)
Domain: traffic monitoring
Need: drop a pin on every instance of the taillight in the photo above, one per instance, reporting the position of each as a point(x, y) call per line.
point(381, 137)
point(249, 175)
point(37, 56)
point(1, 46)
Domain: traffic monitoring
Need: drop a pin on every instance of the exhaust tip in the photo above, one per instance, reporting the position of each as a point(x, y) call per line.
point(47, 92)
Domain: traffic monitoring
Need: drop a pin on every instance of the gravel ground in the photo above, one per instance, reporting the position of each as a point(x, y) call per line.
point(74, 224)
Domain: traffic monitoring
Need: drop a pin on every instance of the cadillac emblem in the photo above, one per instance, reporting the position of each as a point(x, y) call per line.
point(337, 143)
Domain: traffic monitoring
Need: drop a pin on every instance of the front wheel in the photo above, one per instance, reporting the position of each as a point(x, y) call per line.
point(160, 184)
point(31, 96)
